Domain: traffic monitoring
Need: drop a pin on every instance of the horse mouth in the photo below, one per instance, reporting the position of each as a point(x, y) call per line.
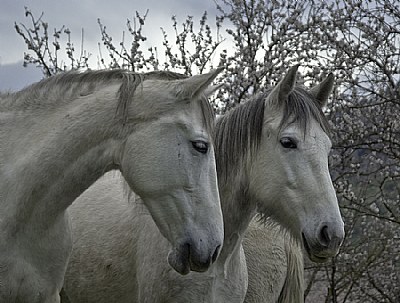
point(179, 259)
point(183, 260)
point(312, 256)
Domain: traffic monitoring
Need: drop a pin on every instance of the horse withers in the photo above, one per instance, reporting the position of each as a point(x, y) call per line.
point(60, 135)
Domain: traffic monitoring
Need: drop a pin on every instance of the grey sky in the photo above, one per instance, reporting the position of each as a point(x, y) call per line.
point(78, 14)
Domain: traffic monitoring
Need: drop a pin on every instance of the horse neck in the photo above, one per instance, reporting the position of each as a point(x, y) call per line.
point(58, 154)
point(238, 210)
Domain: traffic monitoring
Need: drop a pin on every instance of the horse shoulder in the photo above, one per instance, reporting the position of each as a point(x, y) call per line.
point(293, 288)
point(104, 240)
point(266, 259)
point(233, 286)
point(156, 280)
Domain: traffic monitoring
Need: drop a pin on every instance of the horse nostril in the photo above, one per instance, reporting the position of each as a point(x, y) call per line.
point(215, 254)
point(324, 237)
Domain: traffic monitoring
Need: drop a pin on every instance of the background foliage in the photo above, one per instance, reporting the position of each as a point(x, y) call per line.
point(257, 41)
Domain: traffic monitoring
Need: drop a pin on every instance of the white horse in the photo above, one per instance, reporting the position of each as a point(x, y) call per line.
point(275, 265)
point(272, 159)
point(58, 136)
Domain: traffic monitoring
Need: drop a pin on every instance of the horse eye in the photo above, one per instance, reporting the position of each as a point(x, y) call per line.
point(200, 146)
point(287, 142)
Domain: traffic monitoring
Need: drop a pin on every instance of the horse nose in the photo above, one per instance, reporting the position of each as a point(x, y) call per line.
point(215, 254)
point(330, 236)
point(324, 237)
point(201, 261)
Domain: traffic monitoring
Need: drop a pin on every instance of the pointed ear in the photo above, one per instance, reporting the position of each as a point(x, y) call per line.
point(322, 91)
point(196, 85)
point(212, 89)
point(286, 85)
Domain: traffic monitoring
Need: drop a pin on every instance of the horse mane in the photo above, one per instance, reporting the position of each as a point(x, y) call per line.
point(239, 132)
point(73, 84)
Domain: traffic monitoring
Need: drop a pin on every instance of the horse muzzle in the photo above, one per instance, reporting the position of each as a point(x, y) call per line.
point(188, 258)
point(325, 244)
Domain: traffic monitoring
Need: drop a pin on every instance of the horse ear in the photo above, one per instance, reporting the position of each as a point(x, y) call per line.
point(212, 89)
point(286, 85)
point(322, 91)
point(195, 85)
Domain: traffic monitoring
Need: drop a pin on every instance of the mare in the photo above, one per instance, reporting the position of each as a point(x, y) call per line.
point(272, 160)
point(58, 136)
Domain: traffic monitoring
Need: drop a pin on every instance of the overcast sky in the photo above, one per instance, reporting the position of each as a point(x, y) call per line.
point(78, 14)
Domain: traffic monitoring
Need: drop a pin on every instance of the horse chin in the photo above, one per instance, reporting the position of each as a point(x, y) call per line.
point(312, 256)
point(317, 259)
point(179, 260)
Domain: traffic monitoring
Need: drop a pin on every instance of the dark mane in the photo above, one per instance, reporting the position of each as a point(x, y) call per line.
point(239, 132)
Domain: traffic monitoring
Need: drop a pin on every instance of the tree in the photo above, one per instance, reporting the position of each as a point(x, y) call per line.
point(257, 41)
point(44, 49)
point(361, 40)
